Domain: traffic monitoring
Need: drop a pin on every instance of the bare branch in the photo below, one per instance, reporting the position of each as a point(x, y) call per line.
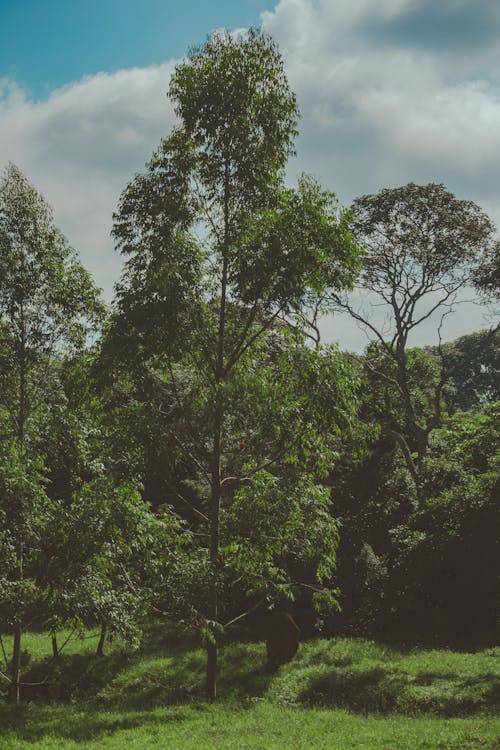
point(243, 348)
point(437, 305)
point(190, 505)
point(245, 614)
point(407, 455)
point(365, 322)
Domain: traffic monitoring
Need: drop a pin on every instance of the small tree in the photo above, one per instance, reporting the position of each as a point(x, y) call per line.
point(420, 245)
point(48, 304)
point(220, 252)
point(124, 554)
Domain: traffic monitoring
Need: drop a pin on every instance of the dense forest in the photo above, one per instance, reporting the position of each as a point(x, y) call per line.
point(194, 454)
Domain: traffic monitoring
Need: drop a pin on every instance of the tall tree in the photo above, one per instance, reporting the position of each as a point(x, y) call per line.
point(48, 304)
point(220, 252)
point(420, 244)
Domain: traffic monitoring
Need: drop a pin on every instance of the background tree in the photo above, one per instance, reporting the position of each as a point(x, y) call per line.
point(220, 251)
point(48, 305)
point(420, 244)
point(472, 367)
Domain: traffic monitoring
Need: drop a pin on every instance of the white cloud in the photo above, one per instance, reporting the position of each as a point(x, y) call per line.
point(405, 101)
point(82, 145)
point(374, 114)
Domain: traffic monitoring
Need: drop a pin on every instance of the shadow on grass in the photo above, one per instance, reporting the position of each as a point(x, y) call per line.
point(365, 677)
point(180, 678)
point(378, 689)
point(492, 695)
point(425, 679)
point(361, 690)
point(242, 671)
point(122, 691)
point(71, 677)
point(117, 692)
point(33, 722)
point(171, 674)
point(155, 681)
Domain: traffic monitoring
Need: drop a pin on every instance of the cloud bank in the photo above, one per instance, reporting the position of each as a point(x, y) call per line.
point(392, 92)
point(82, 145)
point(386, 100)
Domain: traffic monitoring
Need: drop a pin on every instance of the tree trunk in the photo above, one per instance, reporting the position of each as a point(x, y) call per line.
point(213, 611)
point(410, 463)
point(419, 436)
point(216, 484)
point(212, 672)
point(102, 639)
point(15, 685)
point(55, 647)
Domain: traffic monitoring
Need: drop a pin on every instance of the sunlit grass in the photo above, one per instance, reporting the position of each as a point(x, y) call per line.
point(262, 726)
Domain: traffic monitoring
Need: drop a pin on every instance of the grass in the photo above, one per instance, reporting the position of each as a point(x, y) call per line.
point(338, 694)
point(366, 677)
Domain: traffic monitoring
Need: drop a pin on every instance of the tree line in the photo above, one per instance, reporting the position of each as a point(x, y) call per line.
point(194, 452)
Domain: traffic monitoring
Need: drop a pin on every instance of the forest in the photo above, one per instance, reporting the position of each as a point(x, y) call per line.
point(192, 464)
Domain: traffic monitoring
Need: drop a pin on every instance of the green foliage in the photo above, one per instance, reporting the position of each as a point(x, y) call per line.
point(124, 552)
point(486, 274)
point(472, 367)
point(384, 401)
point(454, 527)
point(423, 233)
point(48, 306)
point(206, 458)
point(271, 521)
point(295, 248)
point(26, 513)
point(419, 565)
point(234, 101)
point(46, 296)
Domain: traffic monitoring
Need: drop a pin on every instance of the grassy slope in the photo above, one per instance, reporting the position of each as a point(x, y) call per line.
point(337, 694)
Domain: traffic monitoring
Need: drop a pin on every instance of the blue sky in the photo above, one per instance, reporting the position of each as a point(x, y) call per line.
point(390, 91)
point(47, 43)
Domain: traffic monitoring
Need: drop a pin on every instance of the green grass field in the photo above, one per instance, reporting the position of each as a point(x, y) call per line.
point(338, 694)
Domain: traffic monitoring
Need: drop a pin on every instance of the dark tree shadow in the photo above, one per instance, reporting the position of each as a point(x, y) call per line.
point(33, 723)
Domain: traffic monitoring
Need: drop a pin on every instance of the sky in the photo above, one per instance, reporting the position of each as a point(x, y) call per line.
point(390, 92)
